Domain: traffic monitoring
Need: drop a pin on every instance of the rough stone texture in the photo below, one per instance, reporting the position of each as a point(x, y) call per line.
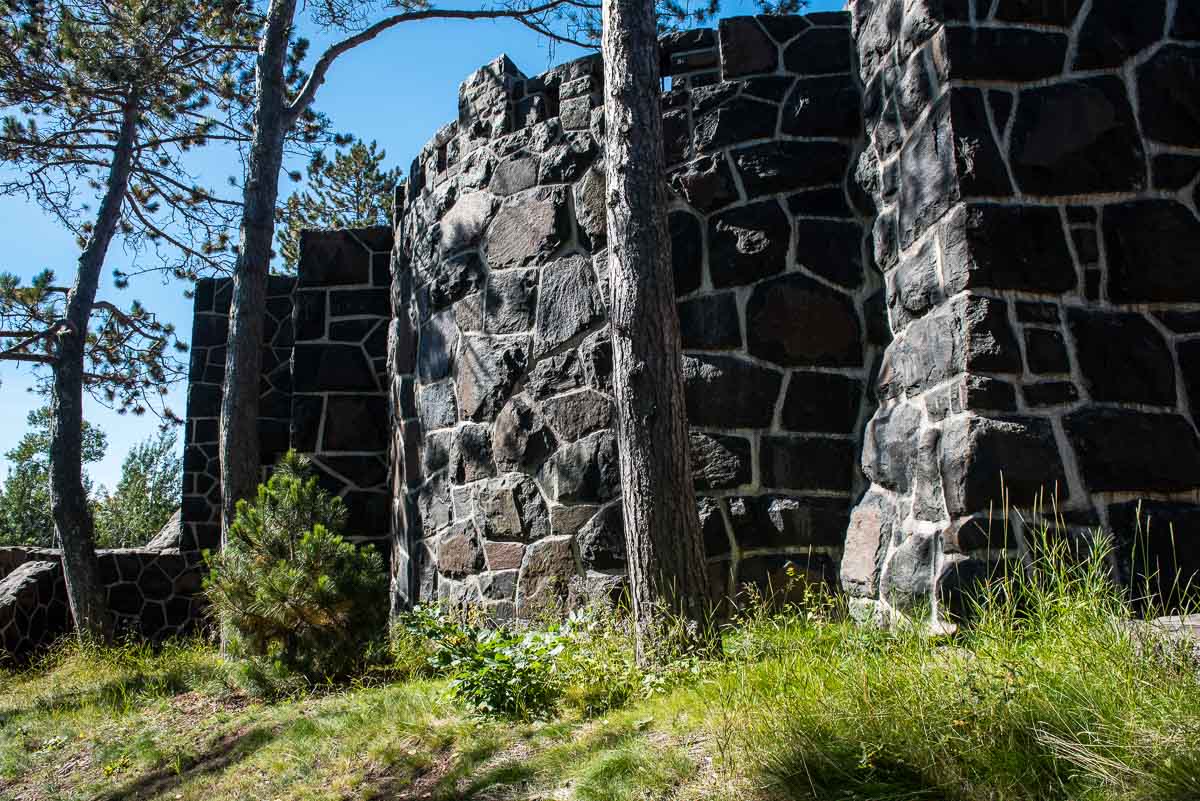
point(967, 252)
point(1080, 385)
point(153, 593)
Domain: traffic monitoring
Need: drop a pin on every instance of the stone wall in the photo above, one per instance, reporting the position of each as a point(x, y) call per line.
point(155, 594)
point(1035, 165)
point(324, 381)
point(500, 353)
point(201, 512)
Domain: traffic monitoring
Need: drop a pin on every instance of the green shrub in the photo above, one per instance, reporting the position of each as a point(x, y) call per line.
point(289, 589)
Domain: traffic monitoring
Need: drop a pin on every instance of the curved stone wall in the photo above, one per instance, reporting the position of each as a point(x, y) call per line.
point(501, 360)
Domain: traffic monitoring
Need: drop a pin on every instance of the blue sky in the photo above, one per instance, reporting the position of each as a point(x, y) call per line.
point(397, 90)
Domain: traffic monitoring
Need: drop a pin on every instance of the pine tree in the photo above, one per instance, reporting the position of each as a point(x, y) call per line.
point(105, 98)
point(352, 191)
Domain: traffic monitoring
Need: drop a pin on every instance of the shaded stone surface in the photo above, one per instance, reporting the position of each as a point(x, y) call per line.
point(1123, 450)
point(511, 508)
point(529, 229)
point(718, 461)
point(488, 370)
point(796, 321)
point(724, 391)
point(748, 243)
point(570, 303)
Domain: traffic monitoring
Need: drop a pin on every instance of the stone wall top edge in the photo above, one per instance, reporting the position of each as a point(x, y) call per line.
point(691, 41)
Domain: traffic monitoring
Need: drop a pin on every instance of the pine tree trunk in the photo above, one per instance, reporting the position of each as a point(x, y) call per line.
point(239, 445)
point(73, 524)
point(662, 529)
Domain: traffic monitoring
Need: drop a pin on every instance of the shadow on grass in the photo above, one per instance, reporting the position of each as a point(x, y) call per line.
point(227, 751)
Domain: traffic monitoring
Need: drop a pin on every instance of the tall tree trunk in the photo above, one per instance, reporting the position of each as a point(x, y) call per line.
point(662, 529)
point(239, 451)
point(68, 498)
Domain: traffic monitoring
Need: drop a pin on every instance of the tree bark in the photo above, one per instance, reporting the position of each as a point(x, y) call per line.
point(239, 446)
point(665, 551)
point(73, 522)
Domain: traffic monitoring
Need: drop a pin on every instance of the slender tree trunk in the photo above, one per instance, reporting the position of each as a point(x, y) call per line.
point(239, 451)
point(73, 522)
point(662, 529)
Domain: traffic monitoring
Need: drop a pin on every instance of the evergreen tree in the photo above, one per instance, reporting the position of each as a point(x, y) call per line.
point(25, 497)
point(104, 98)
point(352, 191)
point(146, 496)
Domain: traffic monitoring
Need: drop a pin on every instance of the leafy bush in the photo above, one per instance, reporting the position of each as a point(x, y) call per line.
point(496, 670)
point(586, 663)
point(288, 588)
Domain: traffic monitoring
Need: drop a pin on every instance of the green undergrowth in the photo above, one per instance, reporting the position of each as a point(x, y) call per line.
point(1050, 694)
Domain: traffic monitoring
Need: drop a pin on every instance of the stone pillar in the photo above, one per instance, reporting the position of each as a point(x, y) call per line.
point(1035, 168)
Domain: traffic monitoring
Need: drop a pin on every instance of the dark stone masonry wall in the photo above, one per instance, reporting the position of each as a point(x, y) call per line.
point(919, 247)
point(155, 593)
point(1035, 166)
point(502, 386)
point(323, 386)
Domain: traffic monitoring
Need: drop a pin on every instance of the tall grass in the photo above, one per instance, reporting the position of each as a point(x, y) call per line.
point(1050, 693)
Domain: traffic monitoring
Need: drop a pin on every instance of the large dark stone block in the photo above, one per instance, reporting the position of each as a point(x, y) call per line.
point(453, 278)
point(787, 166)
point(569, 303)
point(1169, 96)
point(710, 322)
point(981, 166)
point(1116, 30)
point(796, 321)
point(983, 461)
point(364, 472)
point(807, 463)
point(328, 258)
point(823, 107)
point(353, 302)
point(1045, 352)
point(583, 472)
point(1121, 450)
point(819, 51)
point(719, 462)
point(928, 173)
point(1043, 12)
point(890, 446)
point(821, 402)
point(511, 508)
point(435, 350)
point(1077, 137)
point(745, 48)
point(510, 301)
point(687, 251)
point(520, 437)
point(776, 521)
point(985, 54)
point(727, 392)
point(737, 120)
point(574, 415)
point(489, 368)
point(601, 540)
point(1007, 247)
point(832, 250)
point(968, 334)
point(1123, 358)
point(324, 368)
point(1153, 249)
point(528, 229)
point(747, 243)
point(356, 423)
point(470, 457)
point(706, 183)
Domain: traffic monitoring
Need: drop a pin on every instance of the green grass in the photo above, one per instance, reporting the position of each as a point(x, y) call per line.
point(1048, 697)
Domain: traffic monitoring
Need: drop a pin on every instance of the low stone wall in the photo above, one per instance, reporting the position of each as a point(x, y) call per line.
point(156, 594)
